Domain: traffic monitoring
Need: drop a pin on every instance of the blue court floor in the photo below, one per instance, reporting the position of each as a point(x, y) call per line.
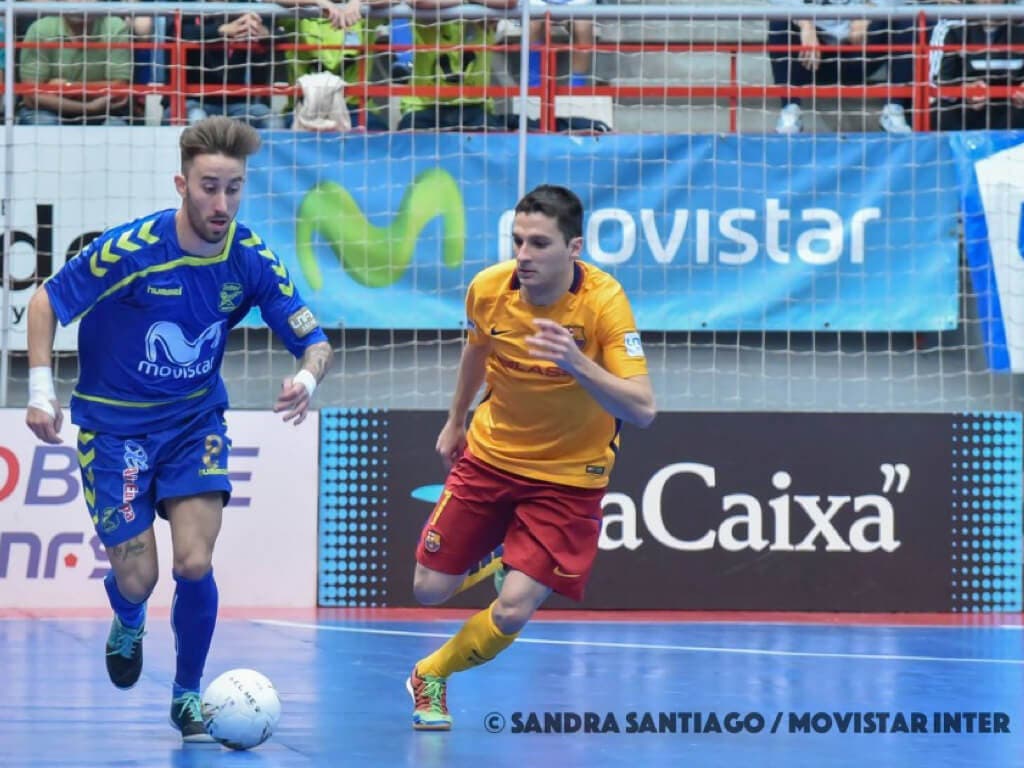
point(341, 682)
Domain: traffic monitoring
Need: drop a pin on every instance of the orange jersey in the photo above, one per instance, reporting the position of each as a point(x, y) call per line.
point(535, 420)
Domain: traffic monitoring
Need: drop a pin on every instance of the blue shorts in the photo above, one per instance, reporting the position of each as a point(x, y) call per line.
point(126, 478)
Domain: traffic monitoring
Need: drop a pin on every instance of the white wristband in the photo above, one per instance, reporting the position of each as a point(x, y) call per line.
point(40, 389)
point(306, 379)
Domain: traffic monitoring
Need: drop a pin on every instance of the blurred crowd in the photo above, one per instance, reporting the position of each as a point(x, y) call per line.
point(76, 69)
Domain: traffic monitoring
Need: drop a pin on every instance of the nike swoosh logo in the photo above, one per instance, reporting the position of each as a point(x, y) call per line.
point(564, 575)
point(496, 332)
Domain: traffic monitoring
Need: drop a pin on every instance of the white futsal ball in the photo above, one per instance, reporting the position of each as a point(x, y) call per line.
point(241, 709)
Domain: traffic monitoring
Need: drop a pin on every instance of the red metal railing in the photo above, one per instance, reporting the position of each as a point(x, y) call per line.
point(921, 92)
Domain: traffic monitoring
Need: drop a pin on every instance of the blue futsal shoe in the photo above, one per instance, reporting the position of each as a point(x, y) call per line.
point(187, 717)
point(124, 654)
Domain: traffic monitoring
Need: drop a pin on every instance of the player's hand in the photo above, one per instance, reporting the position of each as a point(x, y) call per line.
point(1017, 97)
point(254, 28)
point(810, 48)
point(342, 15)
point(232, 29)
point(98, 105)
point(243, 27)
point(451, 443)
point(554, 343)
point(116, 103)
point(257, 29)
point(977, 95)
point(44, 424)
point(859, 31)
point(293, 401)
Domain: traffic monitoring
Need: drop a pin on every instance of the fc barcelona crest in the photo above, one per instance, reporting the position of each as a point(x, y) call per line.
point(432, 541)
point(577, 335)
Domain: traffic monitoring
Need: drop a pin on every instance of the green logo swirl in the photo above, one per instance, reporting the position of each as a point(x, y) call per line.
point(378, 256)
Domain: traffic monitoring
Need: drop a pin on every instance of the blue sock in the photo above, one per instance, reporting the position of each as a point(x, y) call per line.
point(193, 617)
point(131, 614)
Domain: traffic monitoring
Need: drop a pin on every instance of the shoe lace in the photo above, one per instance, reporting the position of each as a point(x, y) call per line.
point(431, 694)
point(189, 704)
point(125, 639)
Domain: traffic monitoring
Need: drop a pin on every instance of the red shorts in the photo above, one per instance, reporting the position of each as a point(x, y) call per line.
point(550, 531)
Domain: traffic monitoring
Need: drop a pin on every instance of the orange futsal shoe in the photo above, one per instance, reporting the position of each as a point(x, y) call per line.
point(430, 709)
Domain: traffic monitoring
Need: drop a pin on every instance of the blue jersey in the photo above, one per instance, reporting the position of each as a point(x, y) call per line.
point(155, 321)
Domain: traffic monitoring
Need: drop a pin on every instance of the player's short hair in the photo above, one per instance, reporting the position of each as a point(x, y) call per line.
point(218, 136)
point(557, 203)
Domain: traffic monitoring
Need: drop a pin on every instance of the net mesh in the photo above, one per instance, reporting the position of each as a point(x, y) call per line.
point(672, 75)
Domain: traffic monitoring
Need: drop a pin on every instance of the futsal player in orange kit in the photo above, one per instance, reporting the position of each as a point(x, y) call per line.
point(555, 340)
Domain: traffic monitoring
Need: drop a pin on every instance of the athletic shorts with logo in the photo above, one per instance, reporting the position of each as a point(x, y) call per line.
point(126, 478)
point(550, 532)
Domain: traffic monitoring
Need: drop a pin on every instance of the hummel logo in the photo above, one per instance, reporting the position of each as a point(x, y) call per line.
point(496, 332)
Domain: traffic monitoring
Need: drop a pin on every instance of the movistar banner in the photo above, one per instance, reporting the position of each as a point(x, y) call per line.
point(704, 232)
point(991, 165)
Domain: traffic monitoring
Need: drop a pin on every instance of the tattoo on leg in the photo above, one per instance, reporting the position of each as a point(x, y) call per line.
point(129, 549)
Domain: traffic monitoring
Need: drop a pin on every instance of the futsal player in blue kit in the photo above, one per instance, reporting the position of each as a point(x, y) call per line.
point(156, 299)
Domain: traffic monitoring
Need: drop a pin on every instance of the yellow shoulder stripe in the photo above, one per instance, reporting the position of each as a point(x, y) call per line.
point(111, 253)
point(183, 261)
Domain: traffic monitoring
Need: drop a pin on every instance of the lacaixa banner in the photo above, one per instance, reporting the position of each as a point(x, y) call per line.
point(722, 511)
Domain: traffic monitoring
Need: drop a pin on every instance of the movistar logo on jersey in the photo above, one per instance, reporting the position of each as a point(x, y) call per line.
point(378, 256)
point(171, 354)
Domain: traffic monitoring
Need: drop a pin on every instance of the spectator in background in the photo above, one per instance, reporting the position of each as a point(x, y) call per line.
point(338, 15)
point(234, 50)
point(341, 37)
point(147, 29)
point(140, 22)
point(803, 62)
point(582, 31)
point(22, 21)
point(460, 66)
point(73, 67)
point(989, 64)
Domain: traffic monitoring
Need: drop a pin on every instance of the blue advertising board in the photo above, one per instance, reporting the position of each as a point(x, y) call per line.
point(704, 232)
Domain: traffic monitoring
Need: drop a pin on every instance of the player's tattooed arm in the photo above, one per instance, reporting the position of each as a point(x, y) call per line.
point(317, 359)
point(293, 401)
